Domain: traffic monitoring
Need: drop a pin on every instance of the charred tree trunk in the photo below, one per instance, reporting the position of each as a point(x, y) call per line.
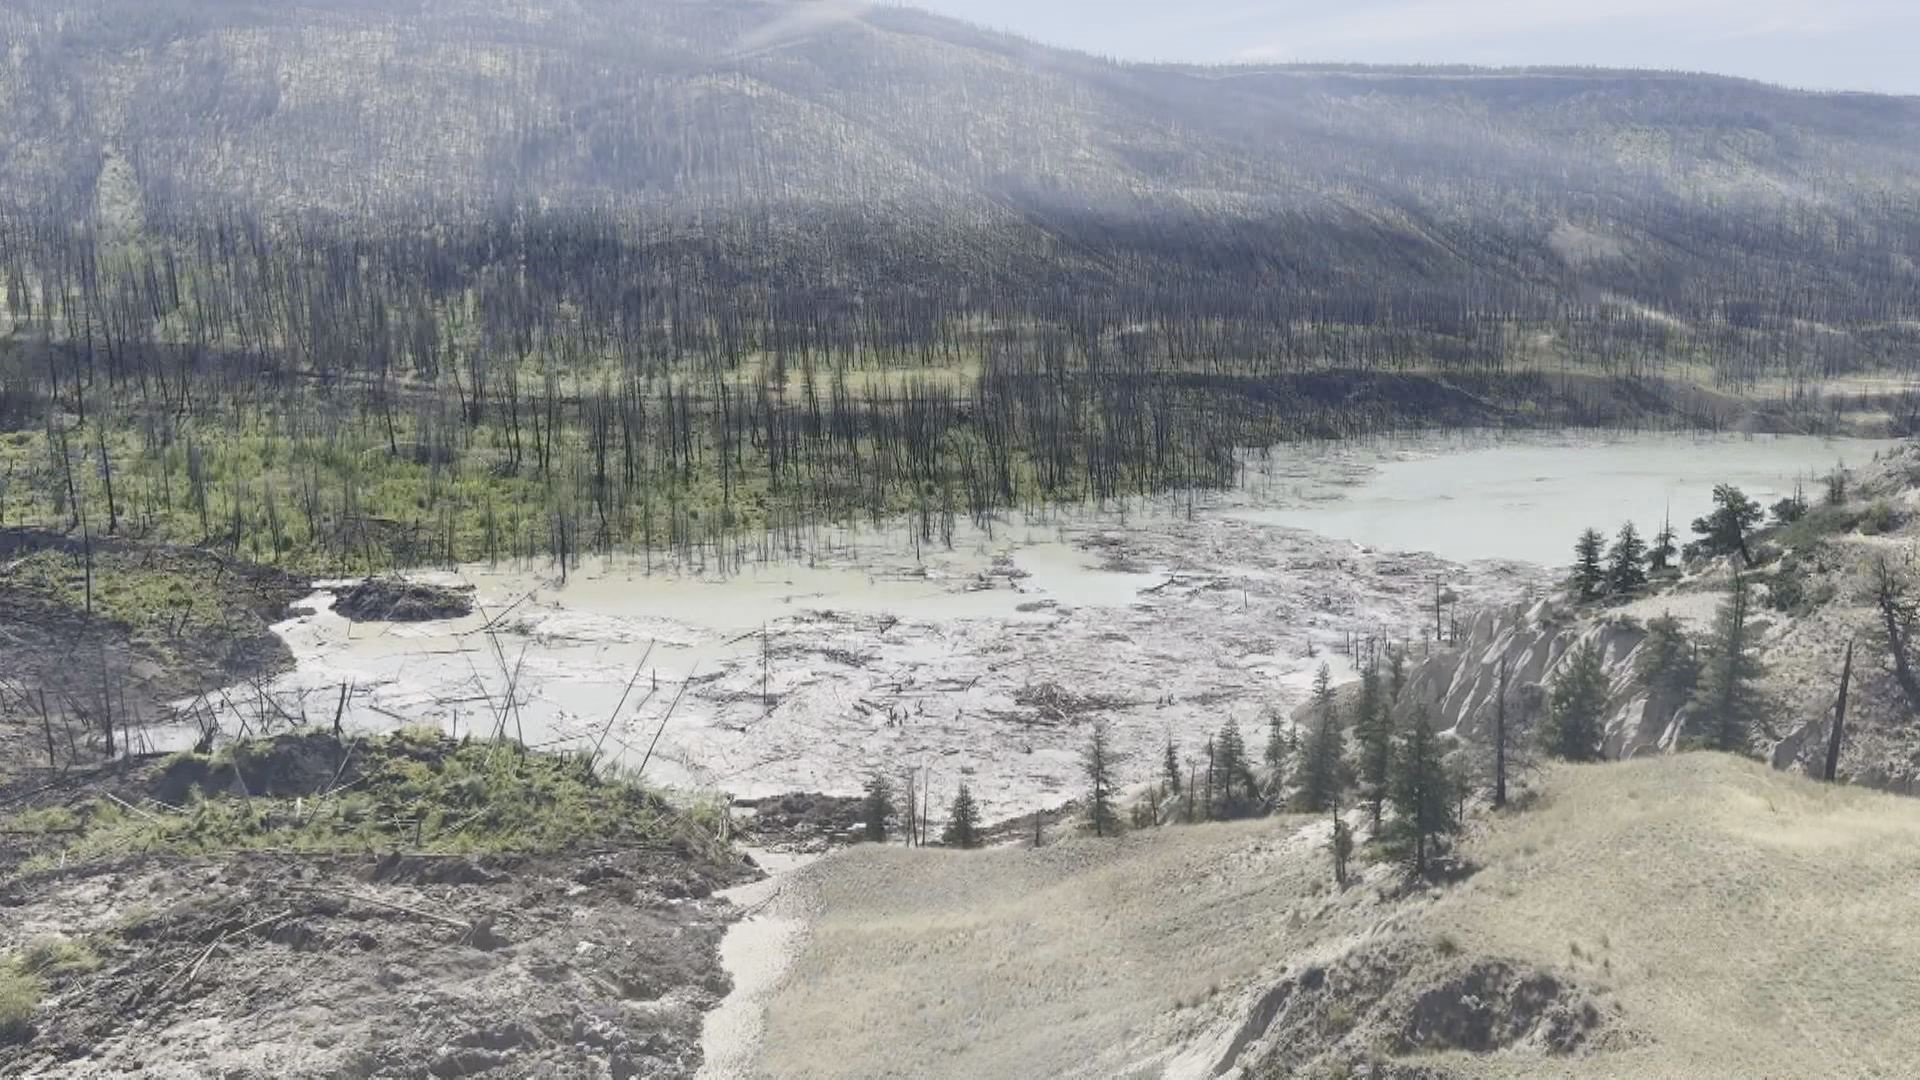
point(1839, 720)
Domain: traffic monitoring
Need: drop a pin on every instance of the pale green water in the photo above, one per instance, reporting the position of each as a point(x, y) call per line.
point(1527, 498)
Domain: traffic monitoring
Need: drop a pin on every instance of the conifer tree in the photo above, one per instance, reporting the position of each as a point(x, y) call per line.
point(1373, 732)
point(1726, 530)
point(1098, 764)
point(1323, 691)
point(1576, 711)
point(1727, 703)
point(1837, 486)
point(1170, 768)
point(1207, 796)
point(963, 821)
point(1660, 556)
point(1279, 748)
point(876, 809)
point(1235, 771)
point(1396, 675)
point(1664, 664)
point(1323, 764)
point(1626, 570)
point(1589, 574)
point(1792, 508)
point(1424, 807)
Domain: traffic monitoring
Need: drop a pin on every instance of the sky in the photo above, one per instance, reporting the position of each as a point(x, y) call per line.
point(1816, 44)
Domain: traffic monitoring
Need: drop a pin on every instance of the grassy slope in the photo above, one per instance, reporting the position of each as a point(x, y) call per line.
point(1746, 923)
point(1753, 923)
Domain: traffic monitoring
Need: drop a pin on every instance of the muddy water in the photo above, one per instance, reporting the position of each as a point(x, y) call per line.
point(1524, 498)
point(984, 663)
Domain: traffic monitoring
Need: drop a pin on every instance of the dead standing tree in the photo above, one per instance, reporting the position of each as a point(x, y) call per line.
point(1839, 732)
point(1891, 590)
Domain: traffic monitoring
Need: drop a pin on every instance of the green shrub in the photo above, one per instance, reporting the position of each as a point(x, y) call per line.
point(19, 996)
point(1879, 519)
point(51, 819)
point(1816, 525)
point(56, 955)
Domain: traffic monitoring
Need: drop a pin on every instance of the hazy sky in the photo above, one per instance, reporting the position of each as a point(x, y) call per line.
point(1827, 44)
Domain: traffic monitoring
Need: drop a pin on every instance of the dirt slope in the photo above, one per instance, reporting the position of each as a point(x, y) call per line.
point(399, 907)
point(1678, 917)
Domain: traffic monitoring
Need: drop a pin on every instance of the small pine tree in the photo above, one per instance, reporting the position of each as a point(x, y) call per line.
point(1170, 768)
point(1322, 765)
point(1727, 702)
point(963, 821)
point(1576, 710)
point(1373, 732)
point(1837, 486)
point(1665, 547)
point(1207, 790)
point(1664, 663)
point(1396, 674)
point(1238, 789)
point(1424, 807)
point(1726, 530)
point(1589, 575)
point(1279, 748)
point(1097, 763)
point(1792, 508)
point(876, 809)
point(1323, 699)
point(1626, 569)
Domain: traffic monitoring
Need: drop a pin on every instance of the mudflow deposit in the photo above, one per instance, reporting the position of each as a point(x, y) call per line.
point(983, 661)
point(533, 912)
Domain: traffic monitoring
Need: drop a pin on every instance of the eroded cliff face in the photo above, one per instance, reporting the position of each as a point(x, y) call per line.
point(1458, 685)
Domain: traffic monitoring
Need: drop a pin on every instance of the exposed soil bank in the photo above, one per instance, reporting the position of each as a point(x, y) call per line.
point(105, 635)
point(281, 955)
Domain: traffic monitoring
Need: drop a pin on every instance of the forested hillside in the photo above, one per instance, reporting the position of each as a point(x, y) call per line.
point(439, 258)
point(811, 148)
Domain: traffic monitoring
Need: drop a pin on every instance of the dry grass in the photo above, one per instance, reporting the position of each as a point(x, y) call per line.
point(1746, 923)
point(1751, 923)
point(1069, 960)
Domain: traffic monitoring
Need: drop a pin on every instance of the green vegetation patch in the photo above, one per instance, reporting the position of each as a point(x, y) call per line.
point(19, 995)
point(24, 976)
point(416, 791)
point(160, 598)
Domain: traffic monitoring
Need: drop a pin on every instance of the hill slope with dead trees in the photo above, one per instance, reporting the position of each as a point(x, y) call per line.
point(831, 155)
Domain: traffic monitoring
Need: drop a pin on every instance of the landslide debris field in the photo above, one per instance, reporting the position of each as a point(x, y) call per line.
point(1687, 917)
point(272, 906)
point(400, 906)
point(982, 662)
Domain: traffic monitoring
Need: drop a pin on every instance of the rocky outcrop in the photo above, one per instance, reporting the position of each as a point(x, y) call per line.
point(1457, 686)
point(1396, 998)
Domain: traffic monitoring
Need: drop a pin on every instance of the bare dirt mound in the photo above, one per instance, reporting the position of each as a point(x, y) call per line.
point(376, 909)
point(400, 600)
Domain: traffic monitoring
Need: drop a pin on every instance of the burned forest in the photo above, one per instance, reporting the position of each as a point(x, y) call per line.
point(700, 293)
point(744, 539)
